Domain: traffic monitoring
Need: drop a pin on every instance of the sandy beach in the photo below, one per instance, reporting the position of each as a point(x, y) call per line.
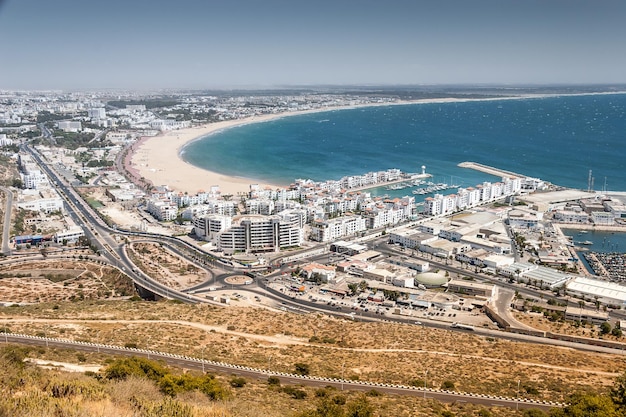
point(158, 158)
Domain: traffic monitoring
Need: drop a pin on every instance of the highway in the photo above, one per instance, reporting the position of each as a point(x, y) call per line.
point(200, 364)
point(6, 228)
point(103, 237)
point(115, 253)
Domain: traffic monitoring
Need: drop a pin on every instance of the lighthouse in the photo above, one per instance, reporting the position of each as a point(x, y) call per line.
point(423, 169)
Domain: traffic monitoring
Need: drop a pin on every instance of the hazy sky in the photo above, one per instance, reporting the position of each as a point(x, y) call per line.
point(77, 44)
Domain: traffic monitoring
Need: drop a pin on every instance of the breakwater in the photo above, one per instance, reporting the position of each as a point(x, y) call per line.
point(490, 170)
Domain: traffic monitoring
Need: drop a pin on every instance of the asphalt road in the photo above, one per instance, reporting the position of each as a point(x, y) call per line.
point(262, 374)
point(6, 249)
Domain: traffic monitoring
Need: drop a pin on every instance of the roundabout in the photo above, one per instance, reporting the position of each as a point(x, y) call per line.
point(238, 280)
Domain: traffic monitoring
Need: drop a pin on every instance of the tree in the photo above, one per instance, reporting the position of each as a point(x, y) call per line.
point(354, 288)
point(618, 392)
point(605, 328)
point(587, 405)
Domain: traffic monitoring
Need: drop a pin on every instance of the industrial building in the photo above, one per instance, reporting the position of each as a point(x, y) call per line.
point(605, 292)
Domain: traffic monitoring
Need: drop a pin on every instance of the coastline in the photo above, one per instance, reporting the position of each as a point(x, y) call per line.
point(158, 159)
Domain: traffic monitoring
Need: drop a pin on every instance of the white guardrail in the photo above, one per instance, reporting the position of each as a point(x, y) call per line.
point(268, 372)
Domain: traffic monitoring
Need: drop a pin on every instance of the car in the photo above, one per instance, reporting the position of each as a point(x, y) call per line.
point(419, 323)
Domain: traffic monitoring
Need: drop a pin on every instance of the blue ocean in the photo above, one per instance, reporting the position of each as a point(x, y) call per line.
point(557, 139)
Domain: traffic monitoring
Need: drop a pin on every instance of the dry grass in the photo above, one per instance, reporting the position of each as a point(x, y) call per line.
point(59, 280)
point(30, 391)
point(164, 266)
point(538, 321)
point(384, 352)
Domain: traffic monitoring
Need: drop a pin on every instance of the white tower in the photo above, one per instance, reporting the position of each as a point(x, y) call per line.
point(423, 169)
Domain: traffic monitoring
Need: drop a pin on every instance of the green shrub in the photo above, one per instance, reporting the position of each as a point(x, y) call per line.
point(237, 382)
point(294, 392)
point(302, 368)
point(447, 385)
point(273, 380)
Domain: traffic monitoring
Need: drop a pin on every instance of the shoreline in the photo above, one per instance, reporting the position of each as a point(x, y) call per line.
point(158, 159)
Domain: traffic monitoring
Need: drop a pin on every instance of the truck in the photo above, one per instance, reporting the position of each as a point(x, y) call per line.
point(462, 326)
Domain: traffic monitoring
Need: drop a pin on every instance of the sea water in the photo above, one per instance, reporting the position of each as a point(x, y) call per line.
point(558, 139)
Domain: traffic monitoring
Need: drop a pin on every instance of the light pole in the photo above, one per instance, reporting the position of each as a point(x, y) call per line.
point(517, 399)
point(343, 365)
point(202, 358)
point(425, 376)
point(269, 358)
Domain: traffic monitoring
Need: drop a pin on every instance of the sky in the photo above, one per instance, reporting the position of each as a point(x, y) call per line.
point(154, 44)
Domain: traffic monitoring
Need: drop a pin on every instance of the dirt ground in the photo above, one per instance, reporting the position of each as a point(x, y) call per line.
point(123, 215)
point(385, 352)
point(60, 280)
point(165, 266)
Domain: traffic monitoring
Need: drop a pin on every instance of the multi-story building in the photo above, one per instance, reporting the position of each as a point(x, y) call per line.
point(571, 216)
point(260, 206)
point(69, 126)
point(327, 230)
point(32, 177)
point(469, 197)
point(96, 113)
point(70, 235)
point(46, 200)
point(210, 226)
point(263, 234)
point(162, 210)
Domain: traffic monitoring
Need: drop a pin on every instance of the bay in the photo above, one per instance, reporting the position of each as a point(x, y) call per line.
point(557, 139)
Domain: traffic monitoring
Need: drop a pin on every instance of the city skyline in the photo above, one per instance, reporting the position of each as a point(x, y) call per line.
point(244, 44)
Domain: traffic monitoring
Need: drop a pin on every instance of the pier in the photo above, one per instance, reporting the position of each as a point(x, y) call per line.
point(489, 170)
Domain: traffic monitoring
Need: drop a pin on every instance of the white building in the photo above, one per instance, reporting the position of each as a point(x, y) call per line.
point(260, 206)
point(539, 276)
point(210, 226)
point(69, 126)
point(162, 210)
point(327, 230)
point(524, 219)
point(4, 141)
point(47, 201)
point(410, 238)
point(169, 124)
point(403, 281)
point(469, 197)
point(262, 234)
point(96, 113)
point(603, 218)
point(70, 235)
point(571, 216)
point(607, 293)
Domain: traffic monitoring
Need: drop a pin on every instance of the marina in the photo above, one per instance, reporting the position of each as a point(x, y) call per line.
point(432, 188)
point(610, 265)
